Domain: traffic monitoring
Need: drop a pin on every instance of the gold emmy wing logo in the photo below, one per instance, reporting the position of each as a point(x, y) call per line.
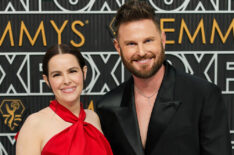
point(111, 27)
point(12, 111)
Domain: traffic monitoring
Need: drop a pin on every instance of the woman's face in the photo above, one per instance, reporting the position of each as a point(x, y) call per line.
point(65, 77)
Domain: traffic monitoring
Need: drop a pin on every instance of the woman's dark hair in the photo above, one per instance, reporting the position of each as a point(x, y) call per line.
point(61, 49)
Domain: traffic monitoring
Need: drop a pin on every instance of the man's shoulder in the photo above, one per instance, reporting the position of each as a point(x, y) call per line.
point(112, 98)
point(194, 83)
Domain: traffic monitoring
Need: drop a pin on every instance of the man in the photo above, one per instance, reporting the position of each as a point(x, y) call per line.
point(159, 110)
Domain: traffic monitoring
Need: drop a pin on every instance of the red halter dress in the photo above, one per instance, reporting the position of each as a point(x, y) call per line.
point(81, 138)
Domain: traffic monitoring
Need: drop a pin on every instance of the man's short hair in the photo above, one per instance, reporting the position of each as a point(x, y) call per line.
point(135, 10)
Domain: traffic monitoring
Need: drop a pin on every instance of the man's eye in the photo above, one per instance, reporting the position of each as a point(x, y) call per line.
point(73, 71)
point(148, 40)
point(131, 44)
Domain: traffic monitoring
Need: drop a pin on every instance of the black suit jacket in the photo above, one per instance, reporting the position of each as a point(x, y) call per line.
point(188, 118)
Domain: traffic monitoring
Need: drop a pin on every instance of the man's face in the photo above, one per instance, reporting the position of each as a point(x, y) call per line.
point(141, 47)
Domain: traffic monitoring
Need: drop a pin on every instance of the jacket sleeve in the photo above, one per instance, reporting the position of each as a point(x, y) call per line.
point(214, 132)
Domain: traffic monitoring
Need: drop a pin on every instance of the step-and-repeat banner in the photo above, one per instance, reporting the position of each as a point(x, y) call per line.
point(200, 41)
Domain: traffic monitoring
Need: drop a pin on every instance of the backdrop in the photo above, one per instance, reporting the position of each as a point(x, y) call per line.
point(200, 41)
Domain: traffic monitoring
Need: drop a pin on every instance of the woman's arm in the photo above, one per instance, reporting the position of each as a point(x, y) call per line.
point(29, 139)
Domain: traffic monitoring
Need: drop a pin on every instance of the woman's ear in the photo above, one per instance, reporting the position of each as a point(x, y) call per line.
point(85, 69)
point(46, 80)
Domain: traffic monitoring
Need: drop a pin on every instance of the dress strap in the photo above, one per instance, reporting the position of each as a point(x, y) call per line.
point(66, 114)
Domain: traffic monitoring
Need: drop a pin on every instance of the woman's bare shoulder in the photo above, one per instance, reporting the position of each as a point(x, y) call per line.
point(91, 114)
point(31, 133)
point(38, 117)
point(92, 118)
point(35, 121)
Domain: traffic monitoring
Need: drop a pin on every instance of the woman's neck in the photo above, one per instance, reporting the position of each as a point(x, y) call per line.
point(74, 107)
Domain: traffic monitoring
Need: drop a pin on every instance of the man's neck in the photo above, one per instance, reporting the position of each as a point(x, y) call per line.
point(151, 84)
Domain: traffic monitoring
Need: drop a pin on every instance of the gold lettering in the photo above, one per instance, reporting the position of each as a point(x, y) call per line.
point(59, 31)
point(9, 30)
point(216, 27)
point(32, 41)
point(91, 107)
point(192, 38)
point(162, 21)
point(78, 34)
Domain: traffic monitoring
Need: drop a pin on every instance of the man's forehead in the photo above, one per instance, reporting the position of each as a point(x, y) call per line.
point(138, 28)
point(131, 25)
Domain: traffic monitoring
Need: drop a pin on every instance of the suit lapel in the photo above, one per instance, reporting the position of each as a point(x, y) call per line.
point(163, 111)
point(128, 120)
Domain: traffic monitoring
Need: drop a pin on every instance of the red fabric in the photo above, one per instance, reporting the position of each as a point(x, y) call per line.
point(16, 136)
point(81, 138)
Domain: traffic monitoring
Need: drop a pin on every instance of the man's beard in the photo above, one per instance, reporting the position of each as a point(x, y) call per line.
point(145, 73)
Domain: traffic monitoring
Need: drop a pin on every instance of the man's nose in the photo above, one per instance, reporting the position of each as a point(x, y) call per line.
point(141, 50)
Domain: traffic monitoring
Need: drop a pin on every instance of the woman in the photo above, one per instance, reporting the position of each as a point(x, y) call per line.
point(63, 128)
